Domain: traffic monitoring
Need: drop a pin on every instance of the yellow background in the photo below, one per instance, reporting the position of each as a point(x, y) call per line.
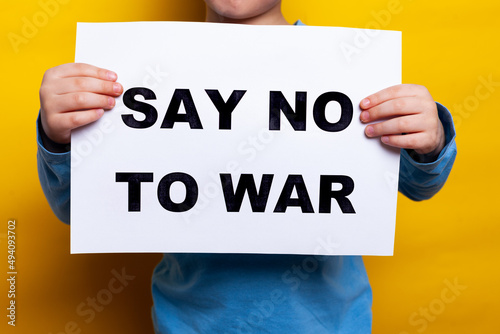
point(448, 46)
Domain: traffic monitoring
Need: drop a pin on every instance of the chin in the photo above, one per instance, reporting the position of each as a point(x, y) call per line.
point(240, 9)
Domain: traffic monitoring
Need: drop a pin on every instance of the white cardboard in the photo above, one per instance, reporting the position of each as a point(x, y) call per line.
point(164, 56)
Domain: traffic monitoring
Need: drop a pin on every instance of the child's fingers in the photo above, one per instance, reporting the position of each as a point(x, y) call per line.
point(391, 108)
point(76, 119)
point(393, 92)
point(81, 70)
point(408, 141)
point(64, 123)
point(417, 132)
point(92, 85)
point(80, 101)
point(396, 126)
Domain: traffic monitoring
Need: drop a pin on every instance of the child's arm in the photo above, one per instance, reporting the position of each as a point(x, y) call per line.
point(409, 118)
point(71, 95)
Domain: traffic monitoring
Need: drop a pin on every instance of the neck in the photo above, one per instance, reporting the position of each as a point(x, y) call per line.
point(271, 17)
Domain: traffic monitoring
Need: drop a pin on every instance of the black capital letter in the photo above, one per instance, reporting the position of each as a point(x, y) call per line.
point(147, 109)
point(277, 103)
point(134, 187)
point(326, 193)
point(303, 200)
point(164, 192)
point(246, 183)
point(345, 111)
point(172, 115)
point(225, 108)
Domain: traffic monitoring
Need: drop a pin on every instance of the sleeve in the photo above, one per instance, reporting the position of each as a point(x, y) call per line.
point(54, 174)
point(419, 181)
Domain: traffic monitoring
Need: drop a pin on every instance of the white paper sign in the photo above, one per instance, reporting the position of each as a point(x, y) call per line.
point(235, 139)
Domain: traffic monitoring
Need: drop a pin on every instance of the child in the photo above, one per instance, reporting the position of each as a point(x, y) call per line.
point(252, 293)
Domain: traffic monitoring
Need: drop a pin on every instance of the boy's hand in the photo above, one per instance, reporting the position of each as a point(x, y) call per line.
point(408, 118)
point(72, 95)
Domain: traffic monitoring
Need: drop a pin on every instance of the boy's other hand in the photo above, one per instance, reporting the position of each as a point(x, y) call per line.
point(407, 118)
point(73, 95)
